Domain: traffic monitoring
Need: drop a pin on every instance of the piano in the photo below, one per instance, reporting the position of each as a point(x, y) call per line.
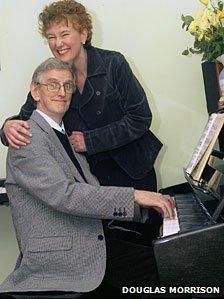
point(189, 251)
point(3, 195)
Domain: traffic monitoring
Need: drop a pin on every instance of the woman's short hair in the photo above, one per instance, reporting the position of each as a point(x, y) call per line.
point(66, 11)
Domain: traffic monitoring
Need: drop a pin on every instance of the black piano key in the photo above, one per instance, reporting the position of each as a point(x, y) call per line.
point(189, 210)
point(190, 213)
point(187, 226)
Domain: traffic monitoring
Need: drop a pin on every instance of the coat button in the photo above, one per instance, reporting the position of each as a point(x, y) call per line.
point(100, 237)
point(119, 213)
point(98, 112)
point(98, 93)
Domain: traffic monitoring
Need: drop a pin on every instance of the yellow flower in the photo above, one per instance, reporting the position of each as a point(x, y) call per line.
point(206, 18)
point(196, 30)
point(212, 18)
point(205, 2)
point(199, 14)
point(207, 27)
point(193, 27)
point(220, 14)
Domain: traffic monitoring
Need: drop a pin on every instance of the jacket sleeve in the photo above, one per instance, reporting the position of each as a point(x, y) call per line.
point(24, 114)
point(27, 108)
point(37, 172)
point(136, 118)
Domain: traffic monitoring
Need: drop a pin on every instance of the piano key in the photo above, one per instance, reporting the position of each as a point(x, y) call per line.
point(188, 226)
point(3, 196)
point(2, 190)
point(189, 216)
point(170, 226)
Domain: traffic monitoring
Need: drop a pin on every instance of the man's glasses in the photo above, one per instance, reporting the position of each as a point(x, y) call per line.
point(55, 87)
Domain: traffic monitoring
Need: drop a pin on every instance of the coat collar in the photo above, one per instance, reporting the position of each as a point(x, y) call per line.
point(43, 124)
point(95, 63)
point(95, 67)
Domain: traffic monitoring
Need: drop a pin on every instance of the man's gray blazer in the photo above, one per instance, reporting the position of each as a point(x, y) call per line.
point(56, 218)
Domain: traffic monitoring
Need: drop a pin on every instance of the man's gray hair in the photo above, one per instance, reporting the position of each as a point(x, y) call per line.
point(50, 64)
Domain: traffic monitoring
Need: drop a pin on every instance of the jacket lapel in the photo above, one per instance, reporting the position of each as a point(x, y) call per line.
point(54, 139)
point(95, 67)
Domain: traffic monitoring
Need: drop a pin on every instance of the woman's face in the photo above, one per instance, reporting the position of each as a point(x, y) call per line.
point(65, 42)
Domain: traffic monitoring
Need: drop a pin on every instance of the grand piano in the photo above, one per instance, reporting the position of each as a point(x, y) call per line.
point(190, 250)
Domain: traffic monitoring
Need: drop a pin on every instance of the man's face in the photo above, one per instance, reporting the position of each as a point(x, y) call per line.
point(53, 101)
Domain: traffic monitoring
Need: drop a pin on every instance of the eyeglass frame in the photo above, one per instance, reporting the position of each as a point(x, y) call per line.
point(59, 86)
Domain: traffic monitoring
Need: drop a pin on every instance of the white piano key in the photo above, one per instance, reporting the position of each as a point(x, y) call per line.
point(170, 226)
point(2, 190)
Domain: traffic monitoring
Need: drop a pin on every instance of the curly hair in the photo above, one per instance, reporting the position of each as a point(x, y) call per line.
point(68, 11)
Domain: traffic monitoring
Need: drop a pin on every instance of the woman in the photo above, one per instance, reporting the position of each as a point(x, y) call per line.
point(109, 117)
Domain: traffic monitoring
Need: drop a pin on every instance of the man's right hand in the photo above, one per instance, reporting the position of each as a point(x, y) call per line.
point(163, 204)
point(16, 132)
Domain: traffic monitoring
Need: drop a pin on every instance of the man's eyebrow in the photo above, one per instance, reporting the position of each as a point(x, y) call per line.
point(56, 80)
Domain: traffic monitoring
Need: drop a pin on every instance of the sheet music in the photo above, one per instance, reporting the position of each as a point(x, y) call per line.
point(214, 124)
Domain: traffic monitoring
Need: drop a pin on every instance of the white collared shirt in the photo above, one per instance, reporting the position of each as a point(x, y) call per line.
point(52, 123)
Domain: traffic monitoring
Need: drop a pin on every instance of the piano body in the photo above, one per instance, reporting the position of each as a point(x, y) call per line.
point(190, 250)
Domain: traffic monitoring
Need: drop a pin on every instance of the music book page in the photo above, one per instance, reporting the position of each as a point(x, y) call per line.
point(205, 146)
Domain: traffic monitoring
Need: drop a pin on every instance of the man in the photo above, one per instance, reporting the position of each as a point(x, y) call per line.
point(58, 206)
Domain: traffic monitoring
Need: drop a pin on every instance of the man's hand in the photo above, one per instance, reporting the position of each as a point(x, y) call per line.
point(78, 142)
point(15, 130)
point(162, 203)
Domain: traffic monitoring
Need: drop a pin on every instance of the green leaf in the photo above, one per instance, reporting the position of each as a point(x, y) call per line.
point(195, 51)
point(185, 52)
point(187, 20)
point(182, 18)
point(220, 5)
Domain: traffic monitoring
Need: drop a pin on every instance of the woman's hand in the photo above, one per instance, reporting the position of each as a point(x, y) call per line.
point(78, 141)
point(162, 203)
point(16, 132)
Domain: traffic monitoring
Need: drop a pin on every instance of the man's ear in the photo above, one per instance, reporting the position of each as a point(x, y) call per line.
point(35, 92)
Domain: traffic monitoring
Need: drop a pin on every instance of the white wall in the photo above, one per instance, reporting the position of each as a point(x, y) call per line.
point(149, 34)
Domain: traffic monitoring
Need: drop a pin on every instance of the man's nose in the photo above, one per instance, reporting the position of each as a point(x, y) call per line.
point(62, 90)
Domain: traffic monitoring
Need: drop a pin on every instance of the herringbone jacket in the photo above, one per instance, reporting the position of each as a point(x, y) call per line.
point(57, 219)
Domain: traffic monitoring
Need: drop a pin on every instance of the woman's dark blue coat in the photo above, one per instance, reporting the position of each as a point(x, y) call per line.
point(113, 113)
